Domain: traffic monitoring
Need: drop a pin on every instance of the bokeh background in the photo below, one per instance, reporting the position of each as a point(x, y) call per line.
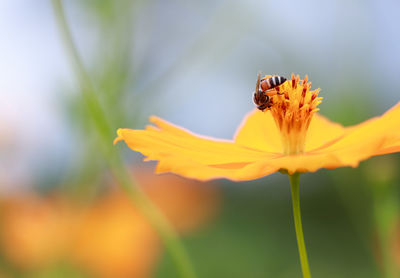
point(193, 63)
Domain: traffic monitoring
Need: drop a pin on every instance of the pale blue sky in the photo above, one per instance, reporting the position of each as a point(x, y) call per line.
point(335, 42)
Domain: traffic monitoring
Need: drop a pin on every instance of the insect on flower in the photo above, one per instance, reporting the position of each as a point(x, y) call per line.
point(292, 138)
point(265, 88)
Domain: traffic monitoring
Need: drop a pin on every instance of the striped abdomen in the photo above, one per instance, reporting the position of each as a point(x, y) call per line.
point(272, 82)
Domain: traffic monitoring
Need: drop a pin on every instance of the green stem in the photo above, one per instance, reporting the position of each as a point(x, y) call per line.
point(385, 210)
point(166, 232)
point(294, 184)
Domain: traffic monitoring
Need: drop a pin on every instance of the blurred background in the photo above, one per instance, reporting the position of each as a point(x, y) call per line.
point(193, 63)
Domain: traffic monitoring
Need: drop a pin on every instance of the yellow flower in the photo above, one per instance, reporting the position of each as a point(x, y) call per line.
point(290, 136)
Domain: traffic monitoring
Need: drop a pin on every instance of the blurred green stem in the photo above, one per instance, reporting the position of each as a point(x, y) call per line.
point(125, 179)
point(385, 211)
point(294, 184)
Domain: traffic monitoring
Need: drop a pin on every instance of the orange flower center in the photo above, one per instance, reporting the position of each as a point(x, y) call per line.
point(293, 111)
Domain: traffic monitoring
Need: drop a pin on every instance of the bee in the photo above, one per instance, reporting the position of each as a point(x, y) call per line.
point(265, 88)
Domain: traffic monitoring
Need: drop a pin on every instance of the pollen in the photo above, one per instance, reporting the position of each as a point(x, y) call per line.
point(292, 110)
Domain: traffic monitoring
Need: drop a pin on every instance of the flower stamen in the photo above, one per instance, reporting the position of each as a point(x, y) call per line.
point(293, 111)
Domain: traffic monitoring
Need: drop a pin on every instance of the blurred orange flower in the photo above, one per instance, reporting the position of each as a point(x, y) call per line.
point(186, 203)
point(34, 232)
point(290, 136)
point(114, 240)
point(109, 238)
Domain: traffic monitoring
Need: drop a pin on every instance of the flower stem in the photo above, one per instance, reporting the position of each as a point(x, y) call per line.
point(166, 232)
point(294, 184)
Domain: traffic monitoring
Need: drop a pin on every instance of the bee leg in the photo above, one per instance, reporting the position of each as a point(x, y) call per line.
point(271, 92)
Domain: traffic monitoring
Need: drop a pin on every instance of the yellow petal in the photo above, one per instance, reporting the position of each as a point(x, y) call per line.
point(234, 172)
point(387, 126)
point(258, 131)
point(375, 136)
point(332, 158)
point(390, 146)
point(383, 130)
point(321, 131)
point(190, 155)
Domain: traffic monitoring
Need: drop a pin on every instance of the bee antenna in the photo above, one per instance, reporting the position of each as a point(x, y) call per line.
point(258, 81)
